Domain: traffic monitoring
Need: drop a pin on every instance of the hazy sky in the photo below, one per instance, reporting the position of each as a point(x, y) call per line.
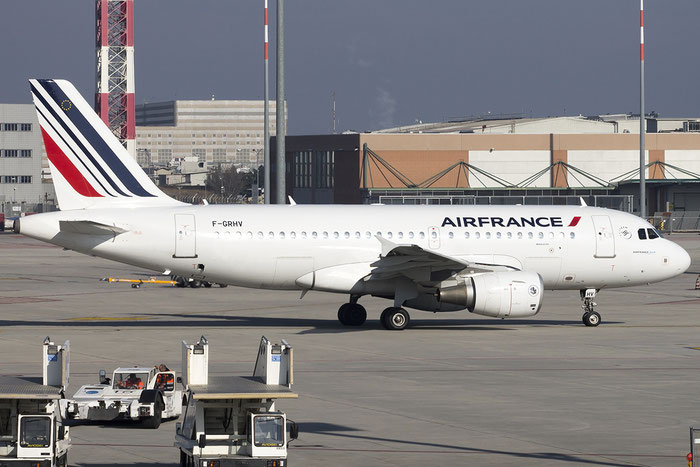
point(390, 62)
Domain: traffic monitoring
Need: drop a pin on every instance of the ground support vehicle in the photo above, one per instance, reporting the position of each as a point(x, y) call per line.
point(232, 421)
point(138, 393)
point(32, 430)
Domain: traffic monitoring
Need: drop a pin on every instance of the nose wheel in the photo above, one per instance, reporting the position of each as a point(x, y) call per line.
point(352, 314)
point(590, 316)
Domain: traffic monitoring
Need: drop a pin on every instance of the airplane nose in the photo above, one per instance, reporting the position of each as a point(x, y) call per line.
point(683, 259)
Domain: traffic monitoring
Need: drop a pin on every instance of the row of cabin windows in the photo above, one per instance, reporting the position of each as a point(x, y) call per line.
point(400, 235)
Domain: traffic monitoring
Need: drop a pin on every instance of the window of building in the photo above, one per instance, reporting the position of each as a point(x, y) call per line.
point(164, 156)
point(9, 127)
point(25, 153)
point(25, 127)
point(219, 155)
point(10, 153)
point(16, 179)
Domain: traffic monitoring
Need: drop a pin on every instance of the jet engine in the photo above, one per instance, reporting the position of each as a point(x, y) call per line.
point(498, 294)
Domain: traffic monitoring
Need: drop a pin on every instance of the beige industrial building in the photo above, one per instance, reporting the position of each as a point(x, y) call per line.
point(476, 162)
point(214, 131)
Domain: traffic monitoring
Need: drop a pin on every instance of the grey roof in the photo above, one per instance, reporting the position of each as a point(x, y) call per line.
point(12, 387)
point(240, 387)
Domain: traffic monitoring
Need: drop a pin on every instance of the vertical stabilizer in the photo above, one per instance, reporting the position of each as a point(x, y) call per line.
point(89, 166)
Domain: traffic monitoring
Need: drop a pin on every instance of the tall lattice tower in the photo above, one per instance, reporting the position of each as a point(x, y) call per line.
point(114, 96)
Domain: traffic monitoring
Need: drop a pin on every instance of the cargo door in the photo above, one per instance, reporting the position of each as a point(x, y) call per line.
point(604, 238)
point(185, 236)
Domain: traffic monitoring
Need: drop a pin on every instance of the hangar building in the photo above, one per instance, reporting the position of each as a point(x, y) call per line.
point(501, 161)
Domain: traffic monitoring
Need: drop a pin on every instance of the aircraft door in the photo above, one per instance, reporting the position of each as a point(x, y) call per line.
point(434, 238)
point(185, 236)
point(604, 238)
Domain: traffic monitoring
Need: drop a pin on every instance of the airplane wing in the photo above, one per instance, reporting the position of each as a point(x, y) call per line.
point(421, 266)
point(90, 228)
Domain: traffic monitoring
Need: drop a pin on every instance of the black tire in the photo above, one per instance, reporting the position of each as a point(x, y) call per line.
point(584, 317)
point(395, 319)
point(207, 284)
point(343, 314)
point(153, 421)
point(356, 314)
point(183, 459)
point(180, 281)
point(62, 461)
point(195, 284)
point(223, 286)
point(591, 319)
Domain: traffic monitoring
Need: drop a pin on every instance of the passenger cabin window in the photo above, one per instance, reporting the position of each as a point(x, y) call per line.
point(652, 234)
point(642, 234)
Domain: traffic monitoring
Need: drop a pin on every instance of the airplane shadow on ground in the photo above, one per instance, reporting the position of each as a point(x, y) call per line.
point(422, 447)
point(306, 325)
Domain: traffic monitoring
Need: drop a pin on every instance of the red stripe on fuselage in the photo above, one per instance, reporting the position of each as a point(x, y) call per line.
point(67, 169)
point(574, 221)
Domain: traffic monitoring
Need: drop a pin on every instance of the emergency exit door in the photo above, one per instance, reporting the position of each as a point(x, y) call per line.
point(604, 238)
point(185, 236)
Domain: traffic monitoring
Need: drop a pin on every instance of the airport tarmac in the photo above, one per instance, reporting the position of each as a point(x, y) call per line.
point(453, 389)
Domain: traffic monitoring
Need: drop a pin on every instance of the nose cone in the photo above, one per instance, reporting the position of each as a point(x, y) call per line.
point(683, 259)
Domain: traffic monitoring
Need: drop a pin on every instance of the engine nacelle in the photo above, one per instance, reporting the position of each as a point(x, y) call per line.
point(498, 294)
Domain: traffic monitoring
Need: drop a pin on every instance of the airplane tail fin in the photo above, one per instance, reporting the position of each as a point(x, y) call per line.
point(89, 166)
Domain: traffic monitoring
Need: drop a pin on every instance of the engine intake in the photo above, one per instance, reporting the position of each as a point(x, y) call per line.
point(498, 294)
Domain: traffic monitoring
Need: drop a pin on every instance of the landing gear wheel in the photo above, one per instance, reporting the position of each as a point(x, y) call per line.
point(395, 319)
point(343, 314)
point(591, 318)
point(352, 314)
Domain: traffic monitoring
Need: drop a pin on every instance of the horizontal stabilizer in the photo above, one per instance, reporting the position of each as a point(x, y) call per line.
point(90, 228)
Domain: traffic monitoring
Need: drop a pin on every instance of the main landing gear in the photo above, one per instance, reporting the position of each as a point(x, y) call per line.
point(395, 319)
point(352, 314)
point(590, 316)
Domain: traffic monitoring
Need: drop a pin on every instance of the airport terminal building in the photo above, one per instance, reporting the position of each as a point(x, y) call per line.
point(515, 161)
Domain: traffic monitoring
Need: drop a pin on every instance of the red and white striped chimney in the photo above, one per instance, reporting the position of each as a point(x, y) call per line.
point(114, 95)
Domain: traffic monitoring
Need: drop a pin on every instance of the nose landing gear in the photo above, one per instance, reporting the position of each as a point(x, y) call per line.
point(590, 316)
point(352, 314)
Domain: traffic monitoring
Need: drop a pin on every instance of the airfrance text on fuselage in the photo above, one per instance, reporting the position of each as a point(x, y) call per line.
point(502, 222)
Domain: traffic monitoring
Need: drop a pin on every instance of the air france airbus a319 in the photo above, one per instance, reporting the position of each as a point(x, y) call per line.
point(491, 260)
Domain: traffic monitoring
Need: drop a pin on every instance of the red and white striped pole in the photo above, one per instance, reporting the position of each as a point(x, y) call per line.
point(266, 136)
point(642, 119)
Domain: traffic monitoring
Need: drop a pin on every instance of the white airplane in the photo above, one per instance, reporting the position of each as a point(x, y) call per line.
point(491, 260)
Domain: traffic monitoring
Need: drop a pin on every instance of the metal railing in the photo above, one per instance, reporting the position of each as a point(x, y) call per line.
point(676, 221)
point(618, 202)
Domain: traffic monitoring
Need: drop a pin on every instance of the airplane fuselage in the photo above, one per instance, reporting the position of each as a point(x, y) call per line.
point(289, 247)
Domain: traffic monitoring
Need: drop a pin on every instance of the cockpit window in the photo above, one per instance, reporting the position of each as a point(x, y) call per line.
point(642, 234)
point(652, 234)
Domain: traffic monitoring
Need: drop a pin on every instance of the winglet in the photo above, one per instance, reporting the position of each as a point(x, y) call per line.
point(291, 201)
point(583, 203)
point(387, 246)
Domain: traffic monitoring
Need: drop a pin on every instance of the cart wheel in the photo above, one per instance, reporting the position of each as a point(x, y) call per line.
point(135, 286)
